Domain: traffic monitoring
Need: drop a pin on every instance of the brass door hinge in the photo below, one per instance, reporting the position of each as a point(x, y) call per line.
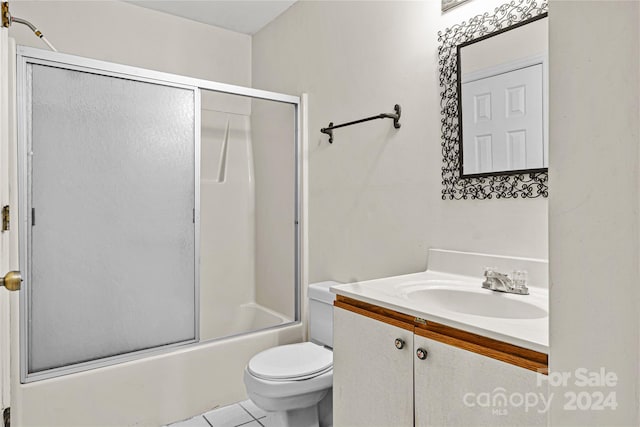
point(5, 14)
point(6, 218)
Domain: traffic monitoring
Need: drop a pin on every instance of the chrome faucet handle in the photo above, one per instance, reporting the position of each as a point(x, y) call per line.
point(519, 278)
point(493, 279)
point(488, 271)
point(493, 272)
point(501, 282)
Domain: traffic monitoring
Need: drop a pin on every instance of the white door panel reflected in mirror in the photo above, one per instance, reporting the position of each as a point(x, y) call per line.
point(503, 101)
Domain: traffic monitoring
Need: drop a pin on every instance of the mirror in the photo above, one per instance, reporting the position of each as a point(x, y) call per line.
point(475, 49)
point(502, 97)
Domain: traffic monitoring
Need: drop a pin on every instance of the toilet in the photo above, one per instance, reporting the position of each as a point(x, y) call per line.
point(293, 383)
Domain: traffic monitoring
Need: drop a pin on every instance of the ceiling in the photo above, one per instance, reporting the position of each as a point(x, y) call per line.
point(243, 16)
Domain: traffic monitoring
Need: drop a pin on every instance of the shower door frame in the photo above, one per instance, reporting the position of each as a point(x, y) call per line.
point(28, 55)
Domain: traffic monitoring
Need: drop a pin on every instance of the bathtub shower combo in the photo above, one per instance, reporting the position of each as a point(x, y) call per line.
point(156, 212)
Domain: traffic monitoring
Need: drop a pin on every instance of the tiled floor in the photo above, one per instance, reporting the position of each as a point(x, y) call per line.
point(244, 414)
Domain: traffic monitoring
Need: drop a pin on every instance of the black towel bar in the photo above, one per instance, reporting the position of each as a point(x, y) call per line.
point(395, 117)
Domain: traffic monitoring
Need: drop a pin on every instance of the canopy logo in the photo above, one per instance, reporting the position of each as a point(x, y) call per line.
point(499, 400)
point(584, 390)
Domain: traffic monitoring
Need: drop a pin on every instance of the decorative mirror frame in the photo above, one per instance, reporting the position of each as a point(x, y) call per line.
point(503, 186)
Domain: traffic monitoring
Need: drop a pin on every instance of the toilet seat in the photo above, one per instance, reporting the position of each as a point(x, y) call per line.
point(293, 362)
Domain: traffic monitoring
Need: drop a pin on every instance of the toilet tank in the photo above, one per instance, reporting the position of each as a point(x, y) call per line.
point(321, 313)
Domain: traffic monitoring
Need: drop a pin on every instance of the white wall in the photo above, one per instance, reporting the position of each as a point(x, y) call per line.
point(375, 193)
point(123, 33)
point(593, 206)
point(180, 384)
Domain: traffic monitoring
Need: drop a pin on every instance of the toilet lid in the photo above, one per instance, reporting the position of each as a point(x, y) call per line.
point(291, 362)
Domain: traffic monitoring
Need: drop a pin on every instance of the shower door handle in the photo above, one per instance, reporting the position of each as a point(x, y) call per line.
point(11, 280)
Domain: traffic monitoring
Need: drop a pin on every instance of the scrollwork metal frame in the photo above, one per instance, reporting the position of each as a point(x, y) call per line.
point(503, 186)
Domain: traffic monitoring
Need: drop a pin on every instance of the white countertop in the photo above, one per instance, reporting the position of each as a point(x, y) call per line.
point(388, 293)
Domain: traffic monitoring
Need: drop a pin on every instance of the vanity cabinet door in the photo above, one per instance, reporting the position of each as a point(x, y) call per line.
point(372, 378)
point(456, 387)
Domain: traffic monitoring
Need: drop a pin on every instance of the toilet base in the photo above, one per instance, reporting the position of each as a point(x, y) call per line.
point(305, 417)
point(319, 415)
point(325, 410)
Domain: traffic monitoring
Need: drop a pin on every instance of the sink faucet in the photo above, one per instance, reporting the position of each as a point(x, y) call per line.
point(501, 282)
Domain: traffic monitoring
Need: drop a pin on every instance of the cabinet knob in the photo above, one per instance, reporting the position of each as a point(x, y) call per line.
point(399, 343)
point(421, 353)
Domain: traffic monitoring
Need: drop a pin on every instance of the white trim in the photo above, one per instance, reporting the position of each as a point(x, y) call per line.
point(545, 110)
point(304, 209)
point(196, 208)
point(141, 73)
point(504, 67)
point(5, 244)
point(22, 220)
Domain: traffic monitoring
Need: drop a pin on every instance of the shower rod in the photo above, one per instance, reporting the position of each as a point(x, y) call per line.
point(395, 117)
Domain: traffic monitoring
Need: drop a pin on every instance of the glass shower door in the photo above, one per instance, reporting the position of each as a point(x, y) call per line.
point(109, 223)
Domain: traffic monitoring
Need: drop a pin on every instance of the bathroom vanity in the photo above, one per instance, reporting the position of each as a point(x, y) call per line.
point(435, 348)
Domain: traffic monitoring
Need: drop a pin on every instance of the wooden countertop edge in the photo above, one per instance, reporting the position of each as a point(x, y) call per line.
point(377, 313)
point(495, 349)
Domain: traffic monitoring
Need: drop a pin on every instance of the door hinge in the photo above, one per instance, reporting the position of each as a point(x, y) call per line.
point(6, 17)
point(6, 218)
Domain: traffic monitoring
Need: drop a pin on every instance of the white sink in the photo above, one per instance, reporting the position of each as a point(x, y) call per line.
point(443, 296)
point(477, 302)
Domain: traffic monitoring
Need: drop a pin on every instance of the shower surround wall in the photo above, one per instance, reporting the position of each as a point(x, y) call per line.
point(246, 213)
point(375, 205)
point(227, 232)
point(272, 127)
point(169, 387)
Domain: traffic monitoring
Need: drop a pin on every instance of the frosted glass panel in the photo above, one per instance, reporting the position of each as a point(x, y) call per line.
point(113, 191)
